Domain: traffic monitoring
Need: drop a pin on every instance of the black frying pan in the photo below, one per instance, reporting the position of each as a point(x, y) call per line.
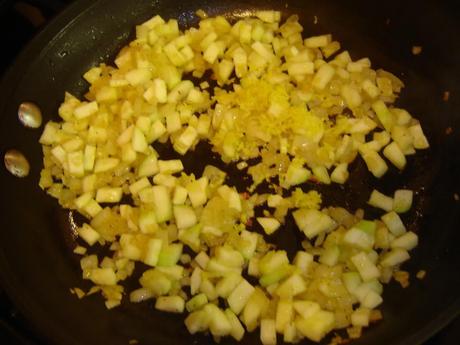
point(37, 266)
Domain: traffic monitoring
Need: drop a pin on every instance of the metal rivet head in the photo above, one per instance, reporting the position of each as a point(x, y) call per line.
point(16, 163)
point(30, 115)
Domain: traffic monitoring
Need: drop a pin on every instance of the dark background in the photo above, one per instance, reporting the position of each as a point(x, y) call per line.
point(19, 22)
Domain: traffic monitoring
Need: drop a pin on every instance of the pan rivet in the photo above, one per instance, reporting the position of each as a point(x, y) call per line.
point(30, 115)
point(16, 163)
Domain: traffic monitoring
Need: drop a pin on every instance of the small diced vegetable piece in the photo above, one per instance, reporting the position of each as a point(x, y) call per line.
point(402, 201)
point(247, 244)
point(395, 257)
point(407, 241)
point(213, 51)
point(237, 331)
point(394, 223)
point(90, 157)
point(374, 162)
point(103, 276)
point(162, 203)
point(380, 200)
point(159, 87)
point(153, 251)
point(170, 167)
point(105, 164)
point(185, 216)
point(148, 167)
point(340, 173)
point(86, 110)
point(165, 180)
point(148, 222)
point(227, 284)
point(323, 76)
point(267, 332)
point(195, 280)
point(171, 304)
point(173, 122)
point(394, 154)
point(231, 196)
point(229, 256)
point(180, 195)
point(140, 295)
point(268, 16)
point(365, 267)
point(107, 194)
point(272, 261)
point(316, 326)
point(92, 208)
point(157, 130)
point(317, 41)
point(370, 88)
point(312, 222)
point(270, 225)
point(75, 163)
point(138, 76)
point(291, 287)
point(274, 276)
point(208, 288)
point(290, 333)
point(197, 191)
point(361, 237)
point(185, 140)
point(253, 267)
point(420, 141)
point(92, 75)
point(402, 136)
point(197, 321)
point(202, 259)
point(296, 174)
point(301, 68)
point(284, 314)
point(219, 325)
point(352, 96)
point(49, 134)
point(382, 237)
point(240, 296)
point(139, 142)
point(306, 309)
point(330, 256)
point(170, 255)
point(371, 300)
point(191, 237)
point(139, 185)
point(256, 307)
point(87, 233)
point(352, 281)
point(360, 317)
point(384, 115)
point(303, 261)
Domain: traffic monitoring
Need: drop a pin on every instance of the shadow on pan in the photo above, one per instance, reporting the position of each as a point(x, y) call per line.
point(37, 266)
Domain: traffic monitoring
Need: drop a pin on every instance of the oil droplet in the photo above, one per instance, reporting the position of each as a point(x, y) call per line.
point(16, 163)
point(30, 115)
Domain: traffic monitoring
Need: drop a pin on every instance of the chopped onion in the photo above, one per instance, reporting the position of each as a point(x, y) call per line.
point(288, 101)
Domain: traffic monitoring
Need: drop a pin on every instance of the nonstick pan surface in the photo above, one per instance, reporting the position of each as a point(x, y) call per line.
point(37, 266)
